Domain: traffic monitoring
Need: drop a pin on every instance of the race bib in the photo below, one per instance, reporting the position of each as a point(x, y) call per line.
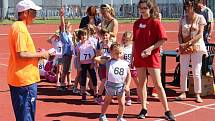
point(41, 66)
point(59, 51)
point(87, 54)
point(119, 71)
point(127, 57)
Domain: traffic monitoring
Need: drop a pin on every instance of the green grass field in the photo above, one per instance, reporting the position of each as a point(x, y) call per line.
point(77, 21)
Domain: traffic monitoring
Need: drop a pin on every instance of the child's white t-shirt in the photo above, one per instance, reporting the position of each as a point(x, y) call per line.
point(117, 71)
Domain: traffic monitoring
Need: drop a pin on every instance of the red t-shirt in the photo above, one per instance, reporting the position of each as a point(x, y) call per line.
point(147, 32)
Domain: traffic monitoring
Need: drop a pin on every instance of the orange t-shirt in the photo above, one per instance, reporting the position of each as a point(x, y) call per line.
point(21, 71)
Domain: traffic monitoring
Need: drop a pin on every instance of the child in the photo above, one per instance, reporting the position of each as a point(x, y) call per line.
point(103, 51)
point(58, 45)
point(118, 80)
point(76, 63)
point(86, 54)
point(68, 49)
point(127, 51)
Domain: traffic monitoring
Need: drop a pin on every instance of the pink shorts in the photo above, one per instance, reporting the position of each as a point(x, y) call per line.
point(133, 72)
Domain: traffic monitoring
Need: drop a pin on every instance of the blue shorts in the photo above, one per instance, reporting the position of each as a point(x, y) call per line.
point(114, 89)
point(24, 102)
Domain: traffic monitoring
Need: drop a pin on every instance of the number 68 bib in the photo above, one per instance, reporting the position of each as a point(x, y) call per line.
point(118, 70)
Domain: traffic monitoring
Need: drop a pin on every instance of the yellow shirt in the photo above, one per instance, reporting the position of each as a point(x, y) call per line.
point(21, 71)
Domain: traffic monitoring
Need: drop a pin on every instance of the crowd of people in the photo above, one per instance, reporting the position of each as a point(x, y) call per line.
point(95, 51)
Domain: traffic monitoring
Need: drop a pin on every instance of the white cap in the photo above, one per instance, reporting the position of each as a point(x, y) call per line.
point(26, 5)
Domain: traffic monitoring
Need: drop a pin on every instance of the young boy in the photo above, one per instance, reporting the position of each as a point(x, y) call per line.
point(103, 50)
point(68, 49)
point(117, 81)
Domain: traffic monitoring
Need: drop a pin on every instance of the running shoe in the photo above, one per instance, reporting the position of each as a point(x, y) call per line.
point(143, 114)
point(128, 101)
point(169, 116)
point(102, 117)
point(99, 100)
point(120, 118)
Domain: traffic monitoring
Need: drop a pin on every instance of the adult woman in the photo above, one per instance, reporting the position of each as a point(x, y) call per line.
point(149, 35)
point(191, 26)
point(91, 18)
point(109, 22)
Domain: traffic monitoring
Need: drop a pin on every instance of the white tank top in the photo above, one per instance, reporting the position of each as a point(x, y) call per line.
point(117, 71)
point(127, 52)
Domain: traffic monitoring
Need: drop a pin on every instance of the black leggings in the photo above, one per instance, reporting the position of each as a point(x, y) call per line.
point(92, 72)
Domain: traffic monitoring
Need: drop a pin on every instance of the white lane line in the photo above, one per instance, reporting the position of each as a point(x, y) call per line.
point(188, 104)
point(182, 113)
point(4, 65)
point(191, 110)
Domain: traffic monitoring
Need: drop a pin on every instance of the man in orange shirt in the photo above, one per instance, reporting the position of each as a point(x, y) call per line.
point(23, 73)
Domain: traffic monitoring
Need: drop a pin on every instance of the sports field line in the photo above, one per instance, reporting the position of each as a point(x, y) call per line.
point(4, 53)
point(191, 110)
point(4, 58)
point(5, 65)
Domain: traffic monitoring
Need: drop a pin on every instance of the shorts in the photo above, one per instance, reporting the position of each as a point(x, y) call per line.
point(114, 89)
point(58, 61)
point(102, 72)
point(67, 66)
point(133, 72)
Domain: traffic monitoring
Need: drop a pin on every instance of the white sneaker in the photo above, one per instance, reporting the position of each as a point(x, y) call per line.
point(128, 102)
point(120, 119)
point(102, 117)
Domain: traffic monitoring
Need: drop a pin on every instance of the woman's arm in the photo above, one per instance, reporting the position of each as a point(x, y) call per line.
point(115, 28)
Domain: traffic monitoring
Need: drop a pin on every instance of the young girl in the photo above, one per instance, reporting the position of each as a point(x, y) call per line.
point(117, 81)
point(103, 51)
point(76, 63)
point(149, 35)
point(127, 51)
point(68, 49)
point(86, 54)
point(58, 45)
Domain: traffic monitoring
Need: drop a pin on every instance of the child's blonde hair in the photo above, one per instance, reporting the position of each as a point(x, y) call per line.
point(128, 34)
point(91, 29)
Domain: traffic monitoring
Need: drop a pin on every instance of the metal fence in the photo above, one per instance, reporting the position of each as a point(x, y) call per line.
point(51, 9)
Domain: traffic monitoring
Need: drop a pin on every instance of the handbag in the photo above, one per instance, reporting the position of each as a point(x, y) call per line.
point(188, 48)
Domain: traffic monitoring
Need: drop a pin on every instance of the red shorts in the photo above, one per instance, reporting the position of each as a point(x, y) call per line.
point(153, 61)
